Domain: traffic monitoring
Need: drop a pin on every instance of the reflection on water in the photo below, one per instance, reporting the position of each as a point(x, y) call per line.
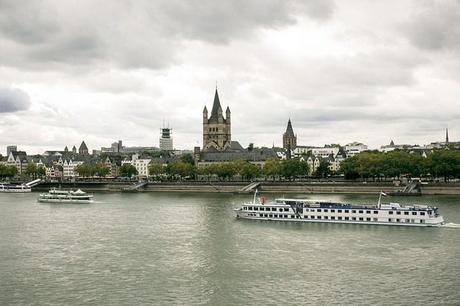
point(163, 248)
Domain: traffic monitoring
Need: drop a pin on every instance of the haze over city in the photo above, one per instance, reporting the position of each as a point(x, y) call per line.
point(342, 71)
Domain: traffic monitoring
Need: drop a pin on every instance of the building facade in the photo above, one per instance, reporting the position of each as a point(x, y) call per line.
point(166, 141)
point(217, 133)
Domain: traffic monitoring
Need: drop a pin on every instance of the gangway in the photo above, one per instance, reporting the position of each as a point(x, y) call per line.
point(135, 187)
point(250, 187)
point(33, 183)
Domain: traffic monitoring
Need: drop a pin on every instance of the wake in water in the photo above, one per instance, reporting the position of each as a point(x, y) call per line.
point(452, 225)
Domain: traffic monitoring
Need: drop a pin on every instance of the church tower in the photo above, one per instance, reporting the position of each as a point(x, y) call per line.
point(289, 139)
point(216, 129)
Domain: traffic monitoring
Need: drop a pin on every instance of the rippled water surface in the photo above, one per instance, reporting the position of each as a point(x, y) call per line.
point(172, 248)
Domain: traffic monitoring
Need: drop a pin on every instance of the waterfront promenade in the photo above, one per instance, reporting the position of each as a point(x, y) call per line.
point(265, 186)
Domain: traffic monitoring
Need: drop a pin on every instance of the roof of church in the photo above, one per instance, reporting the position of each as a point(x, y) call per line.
point(289, 130)
point(215, 108)
point(83, 146)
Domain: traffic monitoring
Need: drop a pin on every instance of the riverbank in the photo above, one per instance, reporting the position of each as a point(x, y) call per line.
point(266, 187)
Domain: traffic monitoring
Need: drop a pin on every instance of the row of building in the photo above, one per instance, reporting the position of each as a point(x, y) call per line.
point(218, 146)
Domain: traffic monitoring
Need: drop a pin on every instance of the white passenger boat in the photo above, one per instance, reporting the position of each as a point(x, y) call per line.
point(14, 188)
point(303, 210)
point(65, 196)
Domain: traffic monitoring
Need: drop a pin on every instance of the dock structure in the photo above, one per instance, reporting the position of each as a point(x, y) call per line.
point(250, 188)
point(135, 187)
point(33, 183)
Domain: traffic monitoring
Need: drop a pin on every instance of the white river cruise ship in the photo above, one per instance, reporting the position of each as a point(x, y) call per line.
point(303, 210)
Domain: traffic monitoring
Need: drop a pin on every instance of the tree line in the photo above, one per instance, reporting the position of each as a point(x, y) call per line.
point(378, 165)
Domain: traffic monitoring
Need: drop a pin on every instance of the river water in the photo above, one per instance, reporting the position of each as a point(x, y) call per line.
point(189, 249)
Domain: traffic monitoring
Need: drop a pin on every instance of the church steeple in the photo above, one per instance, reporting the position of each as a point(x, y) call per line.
point(447, 135)
point(216, 111)
point(289, 138)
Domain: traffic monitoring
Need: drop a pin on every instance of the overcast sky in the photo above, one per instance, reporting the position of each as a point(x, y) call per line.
point(343, 71)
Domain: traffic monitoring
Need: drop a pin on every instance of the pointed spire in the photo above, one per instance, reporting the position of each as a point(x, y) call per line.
point(216, 108)
point(289, 130)
point(447, 135)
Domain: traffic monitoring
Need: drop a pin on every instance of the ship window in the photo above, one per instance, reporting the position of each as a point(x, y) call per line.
point(332, 210)
point(376, 212)
point(375, 219)
point(422, 221)
point(339, 210)
point(398, 220)
point(270, 216)
point(361, 219)
point(245, 208)
point(280, 209)
point(347, 218)
point(398, 212)
point(332, 218)
point(256, 208)
point(353, 218)
point(347, 211)
point(368, 219)
point(286, 209)
point(326, 217)
point(389, 220)
point(353, 211)
point(390, 212)
point(340, 218)
point(360, 211)
point(414, 213)
point(325, 210)
point(318, 210)
point(273, 208)
point(422, 213)
point(262, 208)
point(368, 211)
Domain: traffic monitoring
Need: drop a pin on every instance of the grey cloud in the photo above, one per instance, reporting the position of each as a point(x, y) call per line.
point(134, 33)
point(13, 100)
point(436, 26)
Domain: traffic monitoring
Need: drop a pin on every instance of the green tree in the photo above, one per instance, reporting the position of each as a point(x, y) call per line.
point(323, 169)
point(188, 159)
point(128, 170)
point(250, 171)
point(272, 168)
point(31, 169)
point(180, 169)
point(291, 168)
point(8, 171)
point(156, 169)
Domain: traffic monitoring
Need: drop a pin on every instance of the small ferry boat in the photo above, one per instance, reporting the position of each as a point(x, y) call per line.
point(4, 187)
point(303, 210)
point(65, 196)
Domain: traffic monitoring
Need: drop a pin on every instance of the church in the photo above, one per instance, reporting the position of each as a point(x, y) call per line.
point(217, 133)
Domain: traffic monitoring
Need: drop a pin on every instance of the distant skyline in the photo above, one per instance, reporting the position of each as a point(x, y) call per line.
point(349, 71)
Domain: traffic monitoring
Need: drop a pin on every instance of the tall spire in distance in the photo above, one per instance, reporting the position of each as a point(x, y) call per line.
point(216, 108)
point(447, 135)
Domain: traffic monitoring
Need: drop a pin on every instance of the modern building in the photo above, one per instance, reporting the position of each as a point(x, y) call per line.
point(166, 141)
point(217, 132)
point(10, 149)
